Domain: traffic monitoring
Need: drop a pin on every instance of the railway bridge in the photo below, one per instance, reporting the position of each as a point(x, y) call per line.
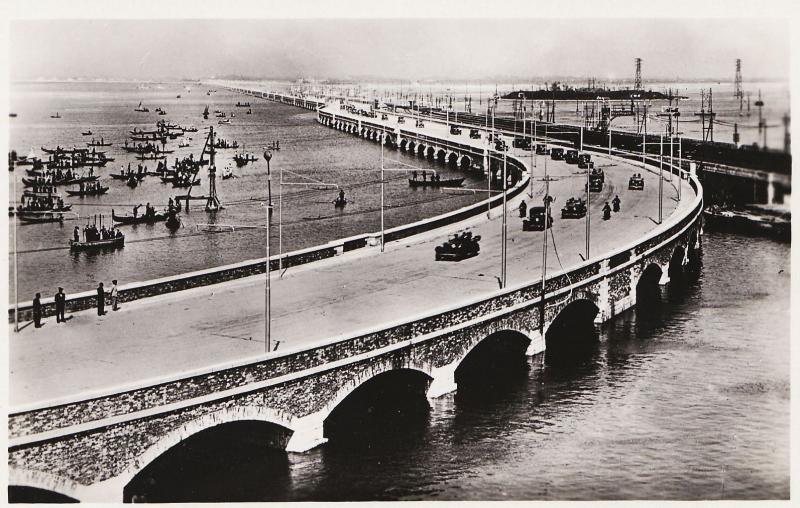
point(87, 431)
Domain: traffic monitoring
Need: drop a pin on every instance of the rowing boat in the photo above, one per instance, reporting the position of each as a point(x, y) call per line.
point(453, 182)
point(117, 241)
point(139, 219)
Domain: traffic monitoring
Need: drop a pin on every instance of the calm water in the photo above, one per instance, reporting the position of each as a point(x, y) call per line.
point(308, 151)
point(685, 398)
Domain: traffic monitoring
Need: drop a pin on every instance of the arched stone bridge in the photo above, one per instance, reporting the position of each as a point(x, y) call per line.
point(91, 448)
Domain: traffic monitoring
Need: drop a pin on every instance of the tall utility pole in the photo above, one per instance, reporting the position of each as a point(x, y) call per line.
point(267, 296)
point(504, 235)
point(637, 82)
point(762, 124)
point(737, 85)
point(212, 203)
point(588, 171)
point(708, 130)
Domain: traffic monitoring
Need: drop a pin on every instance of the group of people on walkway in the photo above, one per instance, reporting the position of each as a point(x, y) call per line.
point(60, 300)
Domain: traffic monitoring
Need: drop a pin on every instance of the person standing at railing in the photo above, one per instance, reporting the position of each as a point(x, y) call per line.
point(101, 300)
point(37, 311)
point(114, 295)
point(61, 303)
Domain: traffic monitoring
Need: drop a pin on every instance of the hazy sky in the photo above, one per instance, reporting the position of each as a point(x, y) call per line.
point(414, 49)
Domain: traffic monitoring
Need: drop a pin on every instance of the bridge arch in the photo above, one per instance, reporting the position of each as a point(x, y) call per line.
point(573, 324)
point(441, 154)
point(452, 158)
point(494, 356)
point(48, 485)
point(421, 148)
point(677, 262)
point(430, 152)
point(226, 415)
point(407, 380)
point(465, 161)
point(647, 285)
point(403, 144)
point(412, 147)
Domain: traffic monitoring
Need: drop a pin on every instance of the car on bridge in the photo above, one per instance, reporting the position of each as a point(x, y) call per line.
point(455, 130)
point(575, 208)
point(557, 154)
point(401, 119)
point(460, 245)
point(500, 145)
point(636, 182)
point(474, 134)
point(571, 157)
point(596, 181)
point(522, 143)
point(585, 161)
point(541, 149)
point(535, 220)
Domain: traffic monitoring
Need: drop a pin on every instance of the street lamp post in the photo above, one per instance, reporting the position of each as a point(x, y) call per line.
point(383, 139)
point(588, 208)
point(660, 176)
point(503, 253)
point(267, 302)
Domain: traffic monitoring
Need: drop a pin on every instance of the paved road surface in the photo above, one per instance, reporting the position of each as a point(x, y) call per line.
point(202, 327)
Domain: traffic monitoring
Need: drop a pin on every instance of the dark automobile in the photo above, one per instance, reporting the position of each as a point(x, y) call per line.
point(455, 130)
point(541, 149)
point(459, 246)
point(636, 182)
point(575, 208)
point(571, 157)
point(523, 143)
point(585, 161)
point(595, 182)
point(535, 220)
point(500, 145)
point(474, 134)
point(557, 154)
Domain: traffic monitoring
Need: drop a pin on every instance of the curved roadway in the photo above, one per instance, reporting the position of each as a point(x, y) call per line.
point(168, 335)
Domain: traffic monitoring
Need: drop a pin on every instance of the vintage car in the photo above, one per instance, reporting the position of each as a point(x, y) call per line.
point(500, 145)
point(535, 220)
point(384, 116)
point(541, 149)
point(461, 245)
point(474, 134)
point(571, 157)
point(575, 208)
point(595, 181)
point(636, 182)
point(401, 119)
point(522, 143)
point(455, 130)
point(557, 154)
point(420, 123)
point(585, 161)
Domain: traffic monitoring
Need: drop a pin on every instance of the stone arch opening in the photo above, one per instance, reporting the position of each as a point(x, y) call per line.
point(441, 154)
point(694, 251)
point(421, 150)
point(675, 269)
point(402, 146)
point(648, 290)
point(465, 161)
point(430, 152)
point(572, 330)
point(26, 494)
point(387, 404)
point(452, 159)
point(243, 457)
point(497, 361)
point(412, 147)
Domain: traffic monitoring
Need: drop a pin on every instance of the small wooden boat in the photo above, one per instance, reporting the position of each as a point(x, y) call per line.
point(339, 202)
point(126, 176)
point(150, 157)
point(95, 143)
point(453, 182)
point(242, 160)
point(132, 182)
point(87, 133)
point(27, 182)
point(224, 122)
point(40, 217)
point(111, 243)
point(227, 173)
point(88, 192)
point(139, 219)
point(56, 115)
point(141, 109)
point(173, 222)
point(185, 184)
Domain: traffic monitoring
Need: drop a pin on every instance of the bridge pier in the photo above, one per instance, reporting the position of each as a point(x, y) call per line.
point(308, 433)
point(444, 381)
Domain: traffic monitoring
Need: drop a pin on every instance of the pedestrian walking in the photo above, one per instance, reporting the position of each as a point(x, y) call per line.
point(101, 300)
point(61, 303)
point(114, 295)
point(37, 311)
